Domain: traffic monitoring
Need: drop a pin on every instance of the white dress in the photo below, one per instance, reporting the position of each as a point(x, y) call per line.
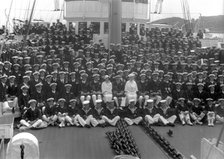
point(131, 89)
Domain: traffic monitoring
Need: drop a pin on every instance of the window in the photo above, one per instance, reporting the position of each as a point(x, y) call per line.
point(106, 28)
point(95, 27)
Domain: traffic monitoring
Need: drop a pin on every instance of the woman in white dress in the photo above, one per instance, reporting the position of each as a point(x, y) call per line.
point(131, 88)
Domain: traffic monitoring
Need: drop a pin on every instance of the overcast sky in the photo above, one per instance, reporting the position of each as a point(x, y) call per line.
point(43, 9)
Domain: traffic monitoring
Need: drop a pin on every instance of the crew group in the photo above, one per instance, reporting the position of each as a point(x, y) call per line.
point(66, 83)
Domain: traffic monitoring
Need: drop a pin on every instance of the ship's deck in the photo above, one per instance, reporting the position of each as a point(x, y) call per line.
point(84, 143)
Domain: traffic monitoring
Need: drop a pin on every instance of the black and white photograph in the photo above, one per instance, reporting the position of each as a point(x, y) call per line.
point(111, 79)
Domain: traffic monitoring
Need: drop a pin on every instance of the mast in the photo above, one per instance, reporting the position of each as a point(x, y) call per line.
point(28, 27)
point(7, 22)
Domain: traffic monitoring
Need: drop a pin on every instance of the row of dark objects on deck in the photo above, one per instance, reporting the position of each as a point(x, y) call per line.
point(162, 142)
point(122, 141)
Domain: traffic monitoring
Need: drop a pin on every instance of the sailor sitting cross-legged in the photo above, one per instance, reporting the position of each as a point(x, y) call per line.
point(85, 114)
point(167, 114)
point(73, 109)
point(111, 114)
point(132, 114)
point(32, 117)
point(62, 112)
point(97, 114)
point(183, 111)
point(49, 112)
point(150, 113)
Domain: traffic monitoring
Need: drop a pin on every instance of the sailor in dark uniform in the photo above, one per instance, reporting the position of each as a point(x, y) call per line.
point(61, 82)
point(84, 88)
point(167, 114)
point(183, 111)
point(111, 115)
point(142, 90)
point(46, 83)
point(73, 110)
point(68, 94)
point(53, 92)
point(50, 112)
point(212, 93)
point(85, 114)
point(219, 111)
point(39, 95)
point(197, 112)
point(210, 111)
point(150, 113)
point(118, 91)
point(96, 88)
point(34, 81)
point(97, 114)
point(32, 117)
point(62, 112)
point(23, 99)
point(12, 91)
point(132, 114)
point(201, 93)
point(75, 84)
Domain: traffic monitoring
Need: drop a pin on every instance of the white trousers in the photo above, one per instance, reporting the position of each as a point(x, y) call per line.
point(96, 122)
point(36, 124)
point(107, 97)
point(84, 122)
point(113, 121)
point(131, 96)
point(133, 121)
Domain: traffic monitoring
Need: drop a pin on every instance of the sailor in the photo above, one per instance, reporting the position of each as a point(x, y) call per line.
point(167, 114)
point(12, 91)
point(150, 113)
point(84, 88)
point(85, 114)
point(219, 111)
point(39, 95)
point(111, 115)
point(23, 99)
point(73, 110)
point(197, 112)
point(97, 114)
point(32, 117)
point(62, 112)
point(183, 111)
point(132, 114)
point(210, 111)
point(143, 91)
point(96, 88)
point(50, 112)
